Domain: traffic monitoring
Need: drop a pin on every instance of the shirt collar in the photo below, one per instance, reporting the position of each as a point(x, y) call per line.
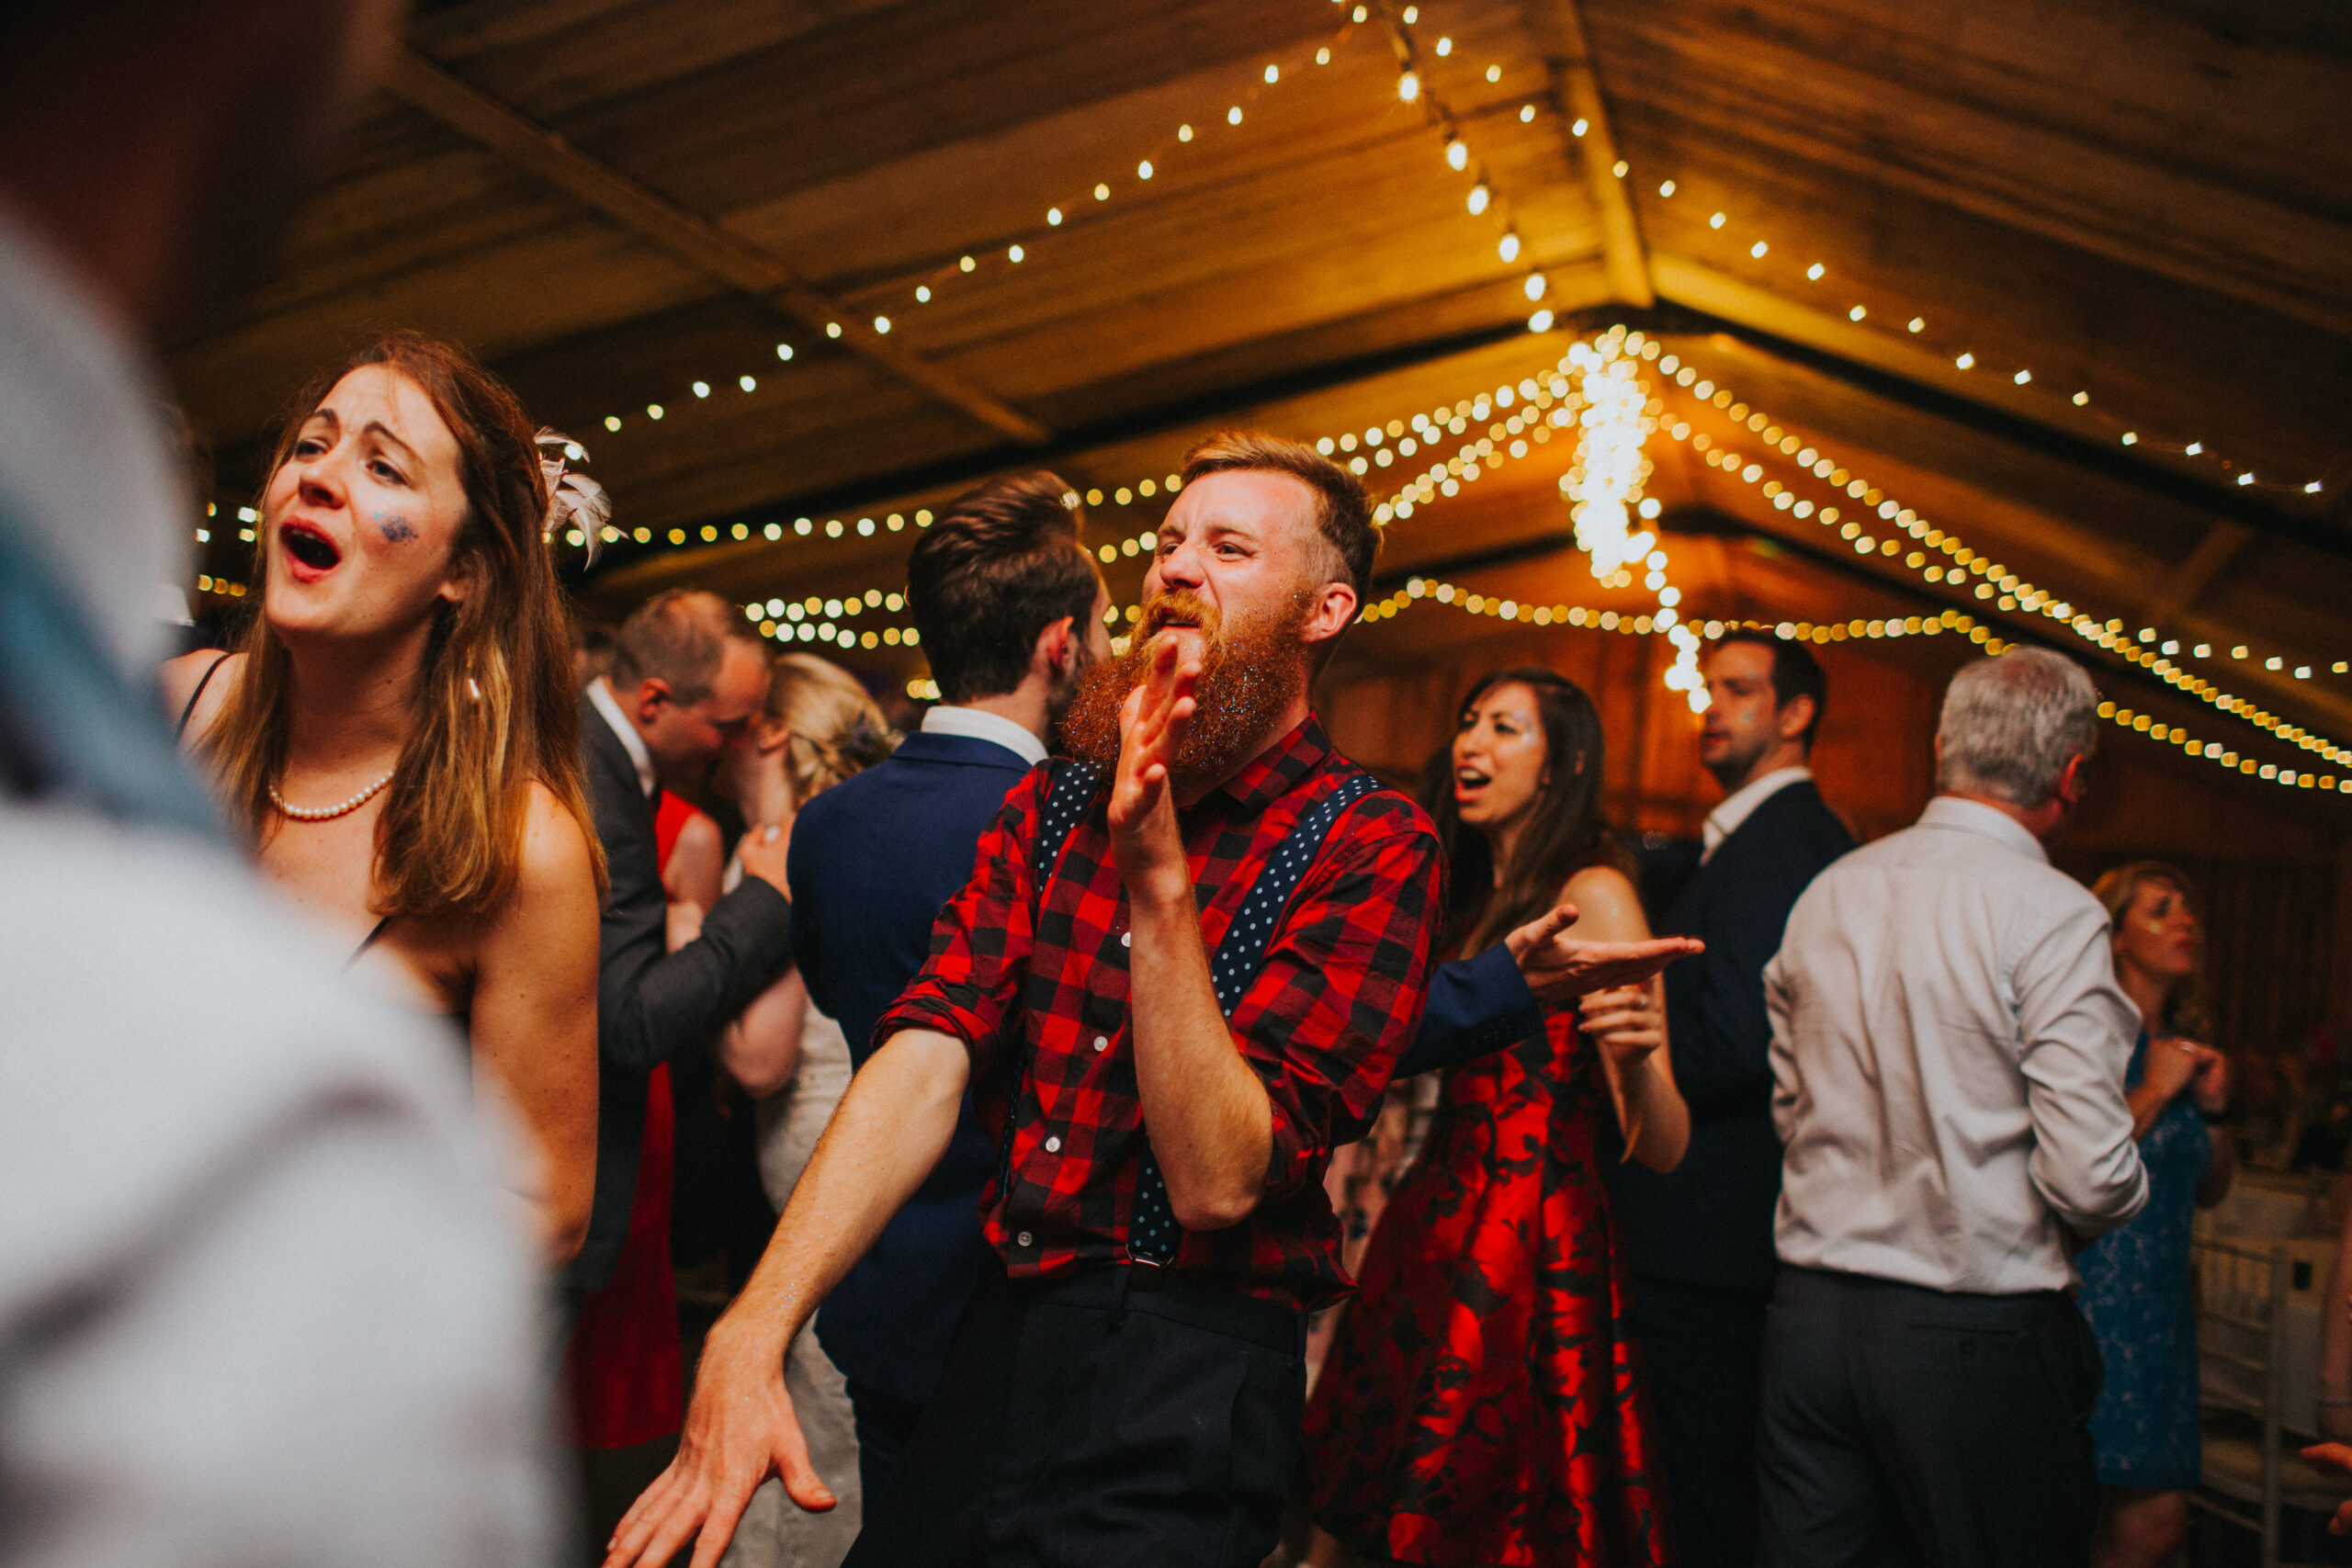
point(1741, 804)
point(978, 724)
point(1278, 770)
point(600, 692)
point(87, 465)
point(1975, 816)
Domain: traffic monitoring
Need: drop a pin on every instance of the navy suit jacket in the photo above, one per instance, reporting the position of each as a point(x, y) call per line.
point(1709, 1221)
point(872, 859)
point(653, 1006)
point(1475, 1006)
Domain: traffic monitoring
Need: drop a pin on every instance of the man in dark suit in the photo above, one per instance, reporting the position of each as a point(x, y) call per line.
point(1700, 1237)
point(1011, 611)
point(688, 675)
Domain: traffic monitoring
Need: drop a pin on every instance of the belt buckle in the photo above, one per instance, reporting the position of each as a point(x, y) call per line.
point(1144, 1274)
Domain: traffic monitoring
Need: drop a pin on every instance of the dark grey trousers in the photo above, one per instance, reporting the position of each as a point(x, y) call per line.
point(1903, 1426)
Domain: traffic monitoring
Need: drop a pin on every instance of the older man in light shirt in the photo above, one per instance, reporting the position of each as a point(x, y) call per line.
point(1949, 1046)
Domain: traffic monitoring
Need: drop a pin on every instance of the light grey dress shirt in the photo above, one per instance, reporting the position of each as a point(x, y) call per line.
point(262, 1300)
point(1949, 1046)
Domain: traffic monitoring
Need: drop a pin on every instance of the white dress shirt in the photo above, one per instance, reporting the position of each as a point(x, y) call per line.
point(1949, 1045)
point(1740, 804)
point(978, 724)
point(600, 696)
point(261, 1298)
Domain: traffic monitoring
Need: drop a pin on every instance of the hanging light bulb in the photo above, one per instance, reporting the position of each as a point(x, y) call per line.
point(1409, 85)
point(1509, 248)
point(1536, 286)
point(1479, 197)
point(1456, 154)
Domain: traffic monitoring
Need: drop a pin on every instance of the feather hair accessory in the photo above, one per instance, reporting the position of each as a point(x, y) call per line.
point(573, 499)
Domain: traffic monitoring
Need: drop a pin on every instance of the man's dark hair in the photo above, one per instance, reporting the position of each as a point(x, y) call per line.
point(677, 637)
point(999, 565)
point(1796, 674)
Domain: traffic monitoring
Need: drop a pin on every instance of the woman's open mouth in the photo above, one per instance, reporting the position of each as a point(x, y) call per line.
point(1468, 784)
point(309, 553)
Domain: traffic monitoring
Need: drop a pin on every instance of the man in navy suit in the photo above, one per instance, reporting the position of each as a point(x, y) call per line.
point(1700, 1237)
point(1011, 611)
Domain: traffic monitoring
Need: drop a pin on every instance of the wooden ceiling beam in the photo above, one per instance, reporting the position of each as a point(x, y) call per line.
point(1559, 33)
point(686, 236)
point(2223, 544)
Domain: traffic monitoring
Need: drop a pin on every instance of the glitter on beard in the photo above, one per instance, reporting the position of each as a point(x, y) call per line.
point(1250, 674)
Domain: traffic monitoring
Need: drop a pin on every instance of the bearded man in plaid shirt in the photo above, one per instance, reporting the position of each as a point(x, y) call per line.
point(1128, 1390)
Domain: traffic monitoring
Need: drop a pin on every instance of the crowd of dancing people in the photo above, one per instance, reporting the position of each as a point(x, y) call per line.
point(1669, 1257)
point(1188, 1146)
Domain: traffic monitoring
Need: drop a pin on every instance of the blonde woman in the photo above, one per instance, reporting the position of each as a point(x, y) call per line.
point(2136, 1278)
point(818, 728)
point(398, 734)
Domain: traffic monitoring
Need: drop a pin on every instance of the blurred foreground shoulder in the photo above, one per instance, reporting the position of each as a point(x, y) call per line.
point(258, 1292)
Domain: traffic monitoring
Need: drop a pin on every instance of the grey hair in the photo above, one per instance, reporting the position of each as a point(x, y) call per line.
point(2010, 726)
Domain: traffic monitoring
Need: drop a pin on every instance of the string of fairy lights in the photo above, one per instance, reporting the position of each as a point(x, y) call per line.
point(1596, 388)
point(2150, 648)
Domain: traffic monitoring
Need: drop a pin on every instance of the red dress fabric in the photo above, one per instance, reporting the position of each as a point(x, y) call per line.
point(622, 1366)
point(1482, 1404)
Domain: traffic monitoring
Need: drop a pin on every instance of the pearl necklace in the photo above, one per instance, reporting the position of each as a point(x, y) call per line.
point(328, 813)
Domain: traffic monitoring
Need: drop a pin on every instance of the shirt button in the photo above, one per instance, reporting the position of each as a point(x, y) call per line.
point(1053, 1145)
point(1127, 938)
point(1024, 1239)
point(1102, 1043)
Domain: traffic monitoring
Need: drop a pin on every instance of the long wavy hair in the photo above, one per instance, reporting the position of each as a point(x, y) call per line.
point(493, 711)
point(1567, 830)
point(2185, 1010)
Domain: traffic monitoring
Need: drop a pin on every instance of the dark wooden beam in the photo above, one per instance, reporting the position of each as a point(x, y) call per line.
point(1559, 32)
point(690, 238)
point(2223, 544)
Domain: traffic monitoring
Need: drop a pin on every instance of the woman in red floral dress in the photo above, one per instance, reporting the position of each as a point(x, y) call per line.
point(1482, 1404)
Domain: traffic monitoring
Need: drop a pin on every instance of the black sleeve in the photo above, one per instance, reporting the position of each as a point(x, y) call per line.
point(652, 1007)
point(1718, 1032)
point(1476, 1007)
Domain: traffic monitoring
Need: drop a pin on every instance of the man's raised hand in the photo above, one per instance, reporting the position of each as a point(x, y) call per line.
point(740, 1430)
point(1152, 725)
point(1560, 968)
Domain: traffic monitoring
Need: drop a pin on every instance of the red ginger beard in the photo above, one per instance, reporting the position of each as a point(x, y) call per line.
point(1250, 675)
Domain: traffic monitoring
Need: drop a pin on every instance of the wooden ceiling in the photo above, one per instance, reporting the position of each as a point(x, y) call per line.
point(2147, 204)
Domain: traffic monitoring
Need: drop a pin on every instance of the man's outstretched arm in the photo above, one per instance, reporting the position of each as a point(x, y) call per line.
point(891, 1128)
point(1482, 1005)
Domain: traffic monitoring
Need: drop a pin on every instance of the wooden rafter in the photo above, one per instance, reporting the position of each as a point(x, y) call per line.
point(1559, 33)
point(2223, 544)
point(706, 246)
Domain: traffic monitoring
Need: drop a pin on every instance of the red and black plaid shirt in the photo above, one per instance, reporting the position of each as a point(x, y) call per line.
point(1336, 1001)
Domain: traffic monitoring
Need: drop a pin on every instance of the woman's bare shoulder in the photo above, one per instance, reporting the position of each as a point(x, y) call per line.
point(1608, 906)
point(556, 857)
point(698, 834)
point(184, 676)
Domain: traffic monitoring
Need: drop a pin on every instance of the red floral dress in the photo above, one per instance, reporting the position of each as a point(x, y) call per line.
point(1482, 1404)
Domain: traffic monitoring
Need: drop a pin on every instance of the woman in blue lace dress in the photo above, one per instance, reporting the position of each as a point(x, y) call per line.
point(2136, 1278)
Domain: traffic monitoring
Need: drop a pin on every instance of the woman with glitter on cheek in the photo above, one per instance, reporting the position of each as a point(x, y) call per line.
point(398, 733)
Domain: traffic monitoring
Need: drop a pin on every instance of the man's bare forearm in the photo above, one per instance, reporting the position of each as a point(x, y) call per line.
point(891, 1129)
point(1211, 1124)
